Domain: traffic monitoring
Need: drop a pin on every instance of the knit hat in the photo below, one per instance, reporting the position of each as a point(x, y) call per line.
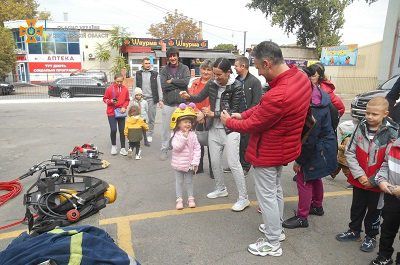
point(138, 91)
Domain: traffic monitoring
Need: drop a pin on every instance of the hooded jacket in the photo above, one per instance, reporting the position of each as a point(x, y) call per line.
point(232, 99)
point(119, 92)
point(318, 156)
point(329, 88)
point(185, 151)
point(365, 157)
point(134, 126)
point(390, 168)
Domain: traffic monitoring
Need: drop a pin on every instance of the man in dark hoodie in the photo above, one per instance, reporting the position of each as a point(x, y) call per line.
point(253, 90)
point(174, 78)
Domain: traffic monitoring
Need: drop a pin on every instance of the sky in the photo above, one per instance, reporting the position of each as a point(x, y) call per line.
point(364, 23)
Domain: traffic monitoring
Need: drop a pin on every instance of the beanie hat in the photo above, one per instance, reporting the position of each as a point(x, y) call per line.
point(138, 91)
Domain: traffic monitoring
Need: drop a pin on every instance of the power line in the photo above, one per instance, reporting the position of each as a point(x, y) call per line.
point(209, 24)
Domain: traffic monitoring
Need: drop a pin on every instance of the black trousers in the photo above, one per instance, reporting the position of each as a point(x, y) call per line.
point(133, 145)
point(113, 133)
point(364, 208)
point(390, 225)
point(244, 142)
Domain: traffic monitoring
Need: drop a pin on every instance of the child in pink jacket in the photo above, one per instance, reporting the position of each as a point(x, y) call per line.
point(185, 151)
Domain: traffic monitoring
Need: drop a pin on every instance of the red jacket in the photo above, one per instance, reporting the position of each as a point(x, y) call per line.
point(121, 93)
point(276, 123)
point(329, 88)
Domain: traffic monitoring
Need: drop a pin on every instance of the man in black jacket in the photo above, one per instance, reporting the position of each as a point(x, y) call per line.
point(253, 91)
point(175, 78)
point(149, 81)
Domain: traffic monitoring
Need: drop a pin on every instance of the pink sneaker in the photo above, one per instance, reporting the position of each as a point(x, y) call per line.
point(179, 203)
point(191, 202)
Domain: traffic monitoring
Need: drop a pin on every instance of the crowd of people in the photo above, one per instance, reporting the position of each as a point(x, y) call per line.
point(295, 120)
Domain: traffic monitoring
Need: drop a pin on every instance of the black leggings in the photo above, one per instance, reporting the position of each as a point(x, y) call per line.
point(113, 133)
point(134, 145)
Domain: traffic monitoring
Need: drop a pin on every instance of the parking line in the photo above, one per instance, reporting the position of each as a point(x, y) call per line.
point(124, 231)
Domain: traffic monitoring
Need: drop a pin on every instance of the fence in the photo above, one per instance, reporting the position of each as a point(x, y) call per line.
point(349, 87)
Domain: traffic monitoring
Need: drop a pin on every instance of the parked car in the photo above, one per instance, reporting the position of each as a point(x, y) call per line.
point(94, 74)
point(6, 88)
point(76, 86)
point(359, 103)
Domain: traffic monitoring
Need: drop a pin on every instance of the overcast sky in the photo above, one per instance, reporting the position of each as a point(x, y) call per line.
point(364, 23)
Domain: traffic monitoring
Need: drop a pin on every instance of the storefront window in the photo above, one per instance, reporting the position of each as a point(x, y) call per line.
point(73, 48)
point(61, 48)
point(60, 36)
point(73, 36)
point(48, 47)
point(35, 48)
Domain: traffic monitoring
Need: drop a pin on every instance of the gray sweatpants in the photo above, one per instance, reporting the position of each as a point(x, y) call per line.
point(165, 130)
point(152, 115)
point(218, 140)
point(270, 198)
point(184, 177)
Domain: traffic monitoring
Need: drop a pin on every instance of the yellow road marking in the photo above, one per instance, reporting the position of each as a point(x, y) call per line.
point(124, 237)
point(214, 207)
point(124, 231)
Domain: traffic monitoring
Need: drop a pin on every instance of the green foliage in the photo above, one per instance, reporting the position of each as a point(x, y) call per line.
point(175, 26)
point(102, 52)
point(119, 63)
point(17, 9)
point(225, 46)
point(314, 22)
point(117, 36)
point(44, 15)
point(7, 55)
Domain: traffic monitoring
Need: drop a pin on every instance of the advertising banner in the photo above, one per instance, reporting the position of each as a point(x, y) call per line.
point(54, 63)
point(343, 55)
point(157, 43)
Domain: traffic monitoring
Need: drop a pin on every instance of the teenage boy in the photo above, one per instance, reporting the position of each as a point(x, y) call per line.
point(365, 155)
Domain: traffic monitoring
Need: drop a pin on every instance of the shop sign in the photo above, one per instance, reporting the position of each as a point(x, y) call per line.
point(54, 67)
point(157, 43)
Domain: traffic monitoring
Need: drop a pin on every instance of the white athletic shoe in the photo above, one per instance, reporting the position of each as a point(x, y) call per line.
point(114, 150)
point(149, 139)
point(240, 205)
point(139, 155)
point(217, 193)
point(282, 236)
point(130, 153)
point(263, 248)
point(123, 152)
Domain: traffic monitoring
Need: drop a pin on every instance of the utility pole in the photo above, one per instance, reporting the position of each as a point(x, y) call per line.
point(201, 30)
point(244, 42)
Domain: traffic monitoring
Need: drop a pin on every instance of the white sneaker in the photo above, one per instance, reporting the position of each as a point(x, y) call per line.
point(217, 193)
point(263, 248)
point(282, 236)
point(139, 155)
point(130, 153)
point(123, 152)
point(114, 150)
point(240, 205)
point(149, 139)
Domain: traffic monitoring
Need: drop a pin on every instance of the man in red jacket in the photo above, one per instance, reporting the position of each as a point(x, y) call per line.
point(275, 126)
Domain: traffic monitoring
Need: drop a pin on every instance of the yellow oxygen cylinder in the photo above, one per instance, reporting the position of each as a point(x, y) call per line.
point(110, 194)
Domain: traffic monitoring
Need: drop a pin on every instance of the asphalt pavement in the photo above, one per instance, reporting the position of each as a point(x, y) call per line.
point(30, 133)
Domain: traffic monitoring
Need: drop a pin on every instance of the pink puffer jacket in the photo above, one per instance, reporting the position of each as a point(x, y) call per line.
point(185, 151)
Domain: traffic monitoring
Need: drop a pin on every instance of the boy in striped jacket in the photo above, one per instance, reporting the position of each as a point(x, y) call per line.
point(388, 180)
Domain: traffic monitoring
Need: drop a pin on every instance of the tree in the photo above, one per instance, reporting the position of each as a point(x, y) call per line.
point(44, 15)
point(225, 47)
point(175, 26)
point(7, 55)
point(17, 9)
point(314, 22)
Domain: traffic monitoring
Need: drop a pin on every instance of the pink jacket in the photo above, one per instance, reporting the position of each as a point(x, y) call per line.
point(185, 151)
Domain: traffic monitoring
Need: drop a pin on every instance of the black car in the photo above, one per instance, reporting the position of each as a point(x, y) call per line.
point(77, 86)
point(93, 74)
point(6, 88)
point(359, 103)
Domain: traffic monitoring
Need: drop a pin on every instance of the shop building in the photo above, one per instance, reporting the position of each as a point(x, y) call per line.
point(47, 50)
